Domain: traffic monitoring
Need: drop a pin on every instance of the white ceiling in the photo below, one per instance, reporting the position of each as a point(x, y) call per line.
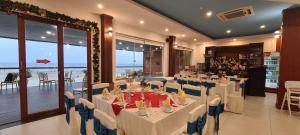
point(127, 12)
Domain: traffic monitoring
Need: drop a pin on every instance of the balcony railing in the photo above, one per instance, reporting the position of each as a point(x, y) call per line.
point(77, 73)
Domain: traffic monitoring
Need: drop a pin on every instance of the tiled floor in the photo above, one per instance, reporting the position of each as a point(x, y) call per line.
point(260, 118)
point(40, 99)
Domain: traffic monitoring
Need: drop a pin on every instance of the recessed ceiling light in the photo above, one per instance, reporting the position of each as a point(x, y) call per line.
point(141, 46)
point(195, 39)
point(183, 35)
point(142, 22)
point(209, 13)
point(175, 43)
point(277, 36)
point(175, 46)
point(100, 6)
point(49, 32)
point(120, 43)
point(262, 26)
point(277, 32)
point(166, 29)
point(80, 42)
point(43, 37)
point(228, 31)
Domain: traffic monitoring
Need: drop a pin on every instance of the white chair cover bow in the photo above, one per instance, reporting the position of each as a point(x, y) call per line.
point(197, 120)
point(71, 117)
point(156, 84)
point(86, 112)
point(104, 124)
point(172, 87)
point(213, 116)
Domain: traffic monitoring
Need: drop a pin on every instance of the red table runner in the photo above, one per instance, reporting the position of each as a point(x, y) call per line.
point(154, 98)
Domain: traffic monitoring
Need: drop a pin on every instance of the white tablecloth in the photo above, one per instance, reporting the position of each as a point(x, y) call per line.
point(156, 123)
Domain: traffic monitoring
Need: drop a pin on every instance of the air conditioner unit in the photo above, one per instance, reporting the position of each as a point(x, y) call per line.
point(236, 13)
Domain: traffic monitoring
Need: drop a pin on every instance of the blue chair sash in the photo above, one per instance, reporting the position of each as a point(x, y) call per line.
point(164, 81)
point(215, 111)
point(243, 86)
point(208, 86)
point(123, 87)
point(196, 126)
point(194, 83)
point(184, 82)
point(192, 92)
point(170, 90)
point(69, 104)
point(98, 91)
point(85, 114)
point(179, 81)
point(102, 130)
point(153, 86)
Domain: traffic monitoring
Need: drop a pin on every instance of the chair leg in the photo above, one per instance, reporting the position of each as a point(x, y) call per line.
point(283, 102)
point(289, 103)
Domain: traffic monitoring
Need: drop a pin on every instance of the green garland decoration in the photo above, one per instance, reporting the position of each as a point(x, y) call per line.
point(18, 7)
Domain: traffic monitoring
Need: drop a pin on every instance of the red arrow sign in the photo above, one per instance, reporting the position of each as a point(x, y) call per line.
point(44, 61)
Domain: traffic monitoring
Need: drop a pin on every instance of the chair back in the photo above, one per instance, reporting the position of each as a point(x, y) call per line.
point(193, 81)
point(292, 86)
point(104, 124)
point(9, 77)
point(192, 90)
point(86, 112)
point(197, 120)
point(156, 84)
point(172, 87)
point(69, 100)
point(213, 121)
point(99, 87)
point(122, 84)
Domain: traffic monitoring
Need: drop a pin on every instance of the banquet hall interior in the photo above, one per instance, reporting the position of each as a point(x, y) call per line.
point(149, 67)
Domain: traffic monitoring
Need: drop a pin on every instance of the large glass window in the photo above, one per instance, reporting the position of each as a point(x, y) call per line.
point(183, 59)
point(41, 66)
point(143, 58)
point(75, 62)
point(9, 70)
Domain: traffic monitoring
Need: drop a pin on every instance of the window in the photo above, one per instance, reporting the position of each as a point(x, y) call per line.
point(139, 56)
point(183, 59)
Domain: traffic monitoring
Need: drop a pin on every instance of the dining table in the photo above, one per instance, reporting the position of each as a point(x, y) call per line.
point(155, 122)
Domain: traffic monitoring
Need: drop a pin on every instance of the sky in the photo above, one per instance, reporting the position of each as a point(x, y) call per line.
point(40, 50)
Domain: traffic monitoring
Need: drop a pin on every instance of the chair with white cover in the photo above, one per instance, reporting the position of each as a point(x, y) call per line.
point(196, 124)
point(196, 92)
point(292, 90)
point(104, 124)
point(99, 87)
point(194, 81)
point(86, 112)
point(71, 117)
point(213, 121)
point(155, 84)
point(122, 84)
point(172, 87)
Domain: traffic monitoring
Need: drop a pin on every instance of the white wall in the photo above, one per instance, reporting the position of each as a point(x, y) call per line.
point(268, 40)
